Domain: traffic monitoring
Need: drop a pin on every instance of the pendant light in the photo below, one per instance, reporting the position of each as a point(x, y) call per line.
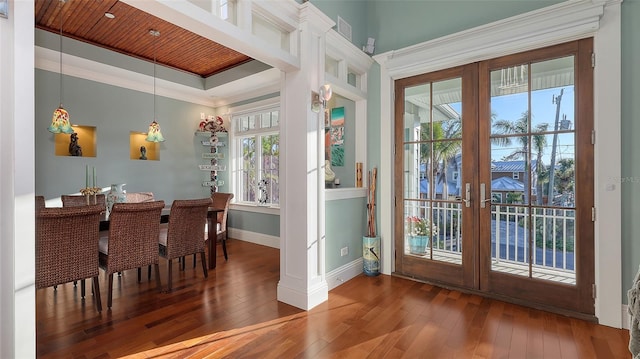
point(154, 134)
point(60, 121)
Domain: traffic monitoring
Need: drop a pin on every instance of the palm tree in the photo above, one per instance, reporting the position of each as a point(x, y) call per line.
point(444, 150)
point(521, 127)
point(539, 143)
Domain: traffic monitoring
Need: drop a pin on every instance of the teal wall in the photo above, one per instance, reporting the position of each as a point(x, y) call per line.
point(630, 146)
point(346, 223)
point(268, 224)
point(115, 112)
point(398, 24)
point(354, 12)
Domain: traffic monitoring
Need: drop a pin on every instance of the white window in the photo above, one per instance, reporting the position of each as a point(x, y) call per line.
point(515, 175)
point(257, 145)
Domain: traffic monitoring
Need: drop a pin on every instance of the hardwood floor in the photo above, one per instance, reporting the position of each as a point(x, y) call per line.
point(234, 314)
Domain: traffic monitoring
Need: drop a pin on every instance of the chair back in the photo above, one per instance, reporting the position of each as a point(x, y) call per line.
point(66, 244)
point(133, 236)
point(186, 227)
point(222, 200)
point(135, 197)
point(78, 200)
point(40, 203)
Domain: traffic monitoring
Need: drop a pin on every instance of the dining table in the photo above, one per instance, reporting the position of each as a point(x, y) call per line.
point(212, 236)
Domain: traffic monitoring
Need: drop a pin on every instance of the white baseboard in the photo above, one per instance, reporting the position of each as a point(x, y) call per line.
point(342, 274)
point(306, 299)
point(254, 237)
point(625, 317)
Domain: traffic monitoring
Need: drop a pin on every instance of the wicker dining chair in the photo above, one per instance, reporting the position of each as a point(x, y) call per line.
point(183, 234)
point(222, 200)
point(40, 203)
point(132, 240)
point(66, 244)
point(69, 200)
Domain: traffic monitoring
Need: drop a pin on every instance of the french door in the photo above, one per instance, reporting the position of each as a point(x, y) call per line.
point(494, 177)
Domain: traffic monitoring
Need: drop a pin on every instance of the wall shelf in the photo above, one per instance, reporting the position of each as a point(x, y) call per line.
point(214, 144)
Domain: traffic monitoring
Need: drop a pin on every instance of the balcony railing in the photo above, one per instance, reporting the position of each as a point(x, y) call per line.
point(544, 238)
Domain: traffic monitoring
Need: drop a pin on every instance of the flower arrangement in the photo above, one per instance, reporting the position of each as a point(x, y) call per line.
point(90, 190)
point(417, 226)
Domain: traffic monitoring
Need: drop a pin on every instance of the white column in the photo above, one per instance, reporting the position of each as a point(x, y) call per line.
point(17, 223)
point(302, 278)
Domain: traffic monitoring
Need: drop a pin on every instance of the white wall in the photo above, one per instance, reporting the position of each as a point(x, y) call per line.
point(17, 294)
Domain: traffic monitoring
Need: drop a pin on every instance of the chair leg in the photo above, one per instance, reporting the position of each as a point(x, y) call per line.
point(182, 264)
point(158, 284)
point(149, 272)
point(110, 295)
point(75, 282)
point(170, 274)
point(82, 288)
point(224, 249)
point(204, 263)
point(139, 274)
point(194, 260)
point(96, 293)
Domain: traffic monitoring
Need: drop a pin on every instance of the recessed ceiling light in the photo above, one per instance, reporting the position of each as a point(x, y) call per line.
point(109, 15)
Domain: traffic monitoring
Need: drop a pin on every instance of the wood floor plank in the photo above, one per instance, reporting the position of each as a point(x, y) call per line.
point(234, 313)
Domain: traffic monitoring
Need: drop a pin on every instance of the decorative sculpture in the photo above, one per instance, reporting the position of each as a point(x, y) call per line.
point(74, 147)
point(143, 153)
point(212, 125)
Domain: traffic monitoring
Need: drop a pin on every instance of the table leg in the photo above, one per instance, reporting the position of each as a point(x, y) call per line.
point(211, 240)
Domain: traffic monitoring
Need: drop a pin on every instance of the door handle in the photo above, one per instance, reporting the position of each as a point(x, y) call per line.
point(483, 198)
point(467, 195)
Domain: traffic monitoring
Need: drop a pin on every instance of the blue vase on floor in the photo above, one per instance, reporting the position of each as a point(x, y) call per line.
point(371, 255)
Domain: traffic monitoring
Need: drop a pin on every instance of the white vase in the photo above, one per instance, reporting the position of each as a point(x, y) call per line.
point(116, 194)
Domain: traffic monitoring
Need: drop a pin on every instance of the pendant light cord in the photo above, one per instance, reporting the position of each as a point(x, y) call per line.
point(61, 5)
point(155, 52)
point(154, 33)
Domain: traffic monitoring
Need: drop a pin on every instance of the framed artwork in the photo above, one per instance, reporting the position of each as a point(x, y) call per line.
point(4, 8)
point(336, 135)
point(327, 118)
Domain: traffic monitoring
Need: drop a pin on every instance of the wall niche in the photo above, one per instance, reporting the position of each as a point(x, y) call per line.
point(86, 139)
point(136, 141)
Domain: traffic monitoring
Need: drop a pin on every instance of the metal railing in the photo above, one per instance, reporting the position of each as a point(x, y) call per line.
point(551, 232)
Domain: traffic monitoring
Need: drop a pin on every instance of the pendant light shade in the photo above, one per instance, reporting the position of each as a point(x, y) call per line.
point(154, 134)
point(60, 121)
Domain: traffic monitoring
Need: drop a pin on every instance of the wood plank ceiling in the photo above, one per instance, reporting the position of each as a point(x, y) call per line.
point(128, 33)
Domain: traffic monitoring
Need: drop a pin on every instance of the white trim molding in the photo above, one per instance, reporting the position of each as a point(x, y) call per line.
point(563, 22)
point(254, 237)
point(344, 273)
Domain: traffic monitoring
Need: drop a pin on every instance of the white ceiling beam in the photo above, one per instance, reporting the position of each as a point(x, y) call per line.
point(197, 20)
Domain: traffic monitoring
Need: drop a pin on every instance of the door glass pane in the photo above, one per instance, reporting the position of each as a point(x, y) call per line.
point(417, 113)
point(417, 171)
point(433, 171)
point(532, 170)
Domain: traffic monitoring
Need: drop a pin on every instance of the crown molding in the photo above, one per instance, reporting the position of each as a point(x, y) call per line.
point(563, 22)
point(261, 83)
